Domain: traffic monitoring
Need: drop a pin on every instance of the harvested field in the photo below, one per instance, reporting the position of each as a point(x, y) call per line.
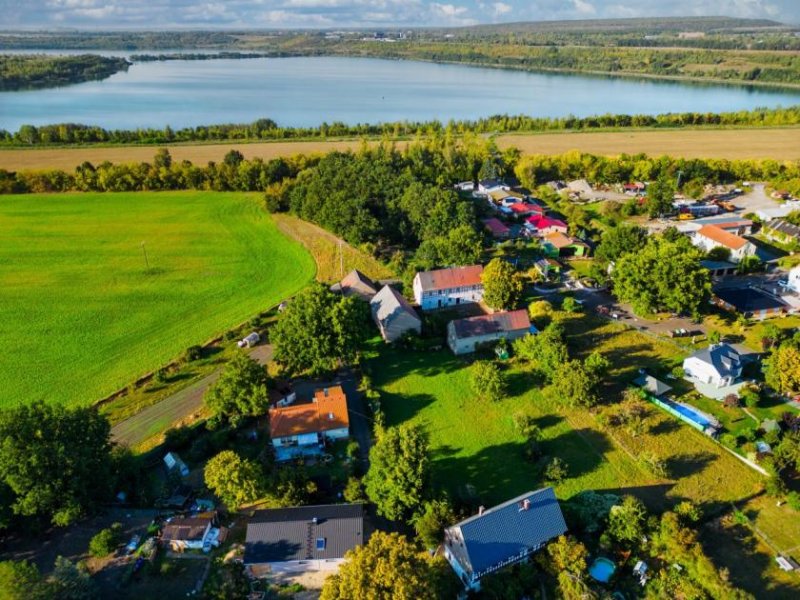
point(779, 144)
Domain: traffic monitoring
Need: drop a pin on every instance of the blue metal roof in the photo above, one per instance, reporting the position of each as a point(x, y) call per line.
point(507, 531)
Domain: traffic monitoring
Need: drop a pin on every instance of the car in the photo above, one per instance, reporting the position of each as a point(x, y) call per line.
point(133, 544)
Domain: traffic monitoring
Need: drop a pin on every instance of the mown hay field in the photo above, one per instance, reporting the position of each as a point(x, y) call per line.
point(83, 312)
point(753, 143)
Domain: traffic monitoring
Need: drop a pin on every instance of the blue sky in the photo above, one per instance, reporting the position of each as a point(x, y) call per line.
point(141, 14)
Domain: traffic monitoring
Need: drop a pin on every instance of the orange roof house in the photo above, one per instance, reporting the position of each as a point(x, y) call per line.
point(308, 423)
point(722, 237)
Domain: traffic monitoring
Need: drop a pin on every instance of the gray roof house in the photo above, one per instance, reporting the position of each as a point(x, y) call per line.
point(719, 365)
point(503, 535)
point(302, 539)
point(464, 335)
point(651, 385)
point(393, 315)
point(355, 283)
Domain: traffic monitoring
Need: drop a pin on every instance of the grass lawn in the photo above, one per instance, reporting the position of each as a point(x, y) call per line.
point(475, 443)
point(82, 315)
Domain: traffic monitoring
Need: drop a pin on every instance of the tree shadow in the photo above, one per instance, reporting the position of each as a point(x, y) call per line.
point(684, 465)
point(519, 383)
point(404, 407)
point(665, 426)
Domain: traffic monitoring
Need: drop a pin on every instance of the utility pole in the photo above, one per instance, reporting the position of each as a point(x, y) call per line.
point(341, 261)
point(144, 251)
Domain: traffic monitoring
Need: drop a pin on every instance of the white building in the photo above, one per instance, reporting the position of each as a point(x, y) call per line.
point(718, 365)
point(711, 236)
point(448, 287)
point(303, 539)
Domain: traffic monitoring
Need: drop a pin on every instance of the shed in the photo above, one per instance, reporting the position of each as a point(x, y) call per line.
point(173, 461)
point(393, 315)
point(651, 385)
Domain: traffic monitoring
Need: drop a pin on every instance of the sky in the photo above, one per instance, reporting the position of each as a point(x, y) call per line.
point(206, 14)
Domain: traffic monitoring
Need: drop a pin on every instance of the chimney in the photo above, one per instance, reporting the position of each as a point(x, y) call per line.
point(524, 505)
point(330, 416)
point(480, 510)
point(325, 392)
point(315, 520)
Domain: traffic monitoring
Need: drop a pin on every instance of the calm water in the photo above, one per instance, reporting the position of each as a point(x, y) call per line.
point(308, 91)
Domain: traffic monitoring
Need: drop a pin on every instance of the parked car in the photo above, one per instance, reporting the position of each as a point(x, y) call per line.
point(132, 545)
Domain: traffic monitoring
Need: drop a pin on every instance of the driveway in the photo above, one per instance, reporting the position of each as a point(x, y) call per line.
point(155, 419)
point(754, 200)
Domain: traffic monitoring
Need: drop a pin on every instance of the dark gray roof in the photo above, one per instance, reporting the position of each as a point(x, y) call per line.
point(784, 227)
point(715, 265)
point(285, 534)
point(723, 357)
point(515, 320)
point(652, 385)
point(748, 299)
point(506, 531)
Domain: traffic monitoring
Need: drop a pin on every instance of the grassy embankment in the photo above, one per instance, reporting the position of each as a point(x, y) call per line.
point(84, 314)
point(744, 143)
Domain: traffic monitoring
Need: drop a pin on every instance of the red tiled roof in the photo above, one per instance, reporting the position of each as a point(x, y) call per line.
point(542, 222)
point(445, 279)
point(729, 240)
point(525, 209)
point(496, 226)
point(488, 324)
point(325, 413)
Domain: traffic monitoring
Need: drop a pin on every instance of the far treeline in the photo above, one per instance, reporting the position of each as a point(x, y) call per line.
point(266, 129)
point(23, 72)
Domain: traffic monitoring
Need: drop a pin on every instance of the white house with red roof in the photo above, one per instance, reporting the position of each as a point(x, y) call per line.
point(711, 236)
point(448, 287)
point(542, 225)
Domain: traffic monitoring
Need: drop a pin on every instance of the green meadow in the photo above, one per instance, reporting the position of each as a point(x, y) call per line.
point(83, 311)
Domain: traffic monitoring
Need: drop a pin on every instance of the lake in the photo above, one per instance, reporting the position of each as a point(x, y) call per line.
point(309, 91)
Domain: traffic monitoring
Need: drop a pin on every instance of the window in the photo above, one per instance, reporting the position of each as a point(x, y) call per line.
point(320, 544)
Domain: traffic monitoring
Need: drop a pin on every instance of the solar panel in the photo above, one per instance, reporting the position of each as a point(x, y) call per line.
point(320, 544)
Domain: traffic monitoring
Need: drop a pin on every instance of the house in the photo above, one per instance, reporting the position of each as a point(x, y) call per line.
point(393, 315)
point(523, 209)
point(487, 186)
point(548, 267)
point(558, 244)
point(502, 535)
point(504, 196)
point(355, 283)
point(448, 287)
point(711, 236)
point(580, 186)
point(635, 188)
point(193, 533)
point(464, 335)
point(303, 429)
point(719, 365)
point(541, 225)
point(778, 212)
point(174, 463)
point(782, 231)
point(751, 302)
point(731, 224)
point(302, 539)
point(497, 228)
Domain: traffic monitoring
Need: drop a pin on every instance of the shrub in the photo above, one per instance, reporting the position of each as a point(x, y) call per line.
point(678, 372)
point(731, 401)
point(556, 470)
point(775, 487)
point(353, 450)
point(160, 376)
point(354, 490)
point(570, 305)
point(179, 437)
point(106, 541)
point(193, 353)
point(793, 500)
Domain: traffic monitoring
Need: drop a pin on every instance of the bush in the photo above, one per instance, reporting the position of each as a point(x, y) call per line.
point(160, 376)
point(354, 491)
point(106, 541)
point(192, 354)
point(177, 438)
point(731, 401)
point(570, 305)
point(353, 450)
point(556, 470)
point(793, 500)
point(678, 372)
point(775, 487)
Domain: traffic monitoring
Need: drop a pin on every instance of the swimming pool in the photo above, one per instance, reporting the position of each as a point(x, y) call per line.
point(689, 412)
point(602, 569)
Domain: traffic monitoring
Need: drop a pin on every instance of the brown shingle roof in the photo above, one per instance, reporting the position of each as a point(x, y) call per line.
point(488, 324)
point(496, 226)
point(559, 240)
point(445, 279)
point(729, 240)
point(186, 529)
point(327, 411)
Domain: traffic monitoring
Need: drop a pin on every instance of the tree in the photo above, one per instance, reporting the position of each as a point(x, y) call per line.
point(567, 555)
point(55, 460)
point(626, 521)
point(20, 580)
point(570, 305)
point(540, 310)
point(461, 246)
point(556, 470)
point(487, 381)
point(71, 582)
point(240, 391)
point(318, 331)
point(620, 240)
point(575, 385)
point(749, 264)
point(398, 472)
point(235, 480)
point(660, 196)
point(662, 275)
point(719, 253)
point(106, 541)
point(387, 567)
point(591, 509)
point(502, 285)
point(546, 350)
point(430, 523)
point(783, 368)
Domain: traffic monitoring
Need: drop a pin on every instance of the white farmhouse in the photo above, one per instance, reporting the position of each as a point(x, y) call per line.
point(448, 287)
point(718, 365)
point(712, 236)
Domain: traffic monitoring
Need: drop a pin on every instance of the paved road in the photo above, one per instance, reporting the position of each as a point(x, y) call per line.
point(154, 419)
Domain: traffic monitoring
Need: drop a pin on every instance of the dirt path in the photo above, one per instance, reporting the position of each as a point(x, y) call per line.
point(155, 419)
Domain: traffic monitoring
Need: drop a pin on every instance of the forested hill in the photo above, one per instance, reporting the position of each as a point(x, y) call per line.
point(21, 72)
